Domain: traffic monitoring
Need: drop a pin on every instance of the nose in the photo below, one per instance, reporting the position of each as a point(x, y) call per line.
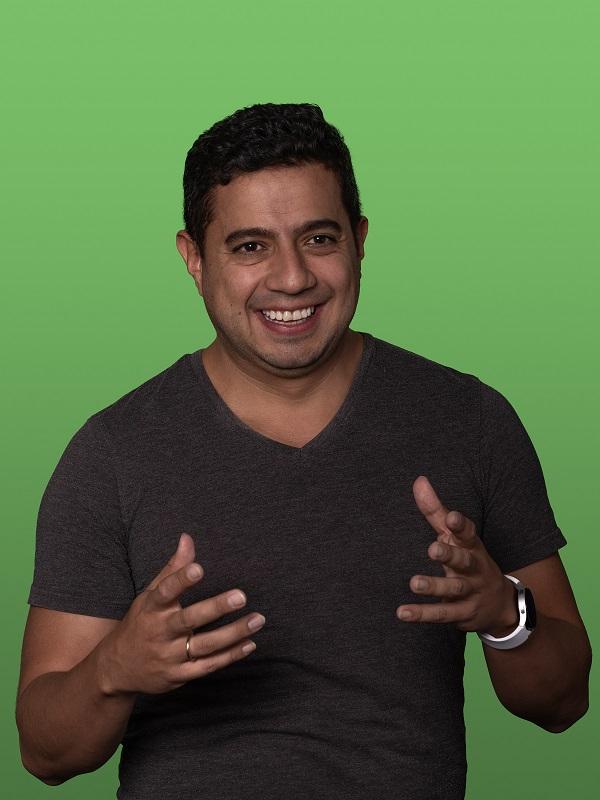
point(289, 272)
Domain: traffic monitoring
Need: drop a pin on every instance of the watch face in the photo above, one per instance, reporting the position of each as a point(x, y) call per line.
point(530, 617)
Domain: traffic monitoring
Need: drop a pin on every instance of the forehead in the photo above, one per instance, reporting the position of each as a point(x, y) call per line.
point(277, 197)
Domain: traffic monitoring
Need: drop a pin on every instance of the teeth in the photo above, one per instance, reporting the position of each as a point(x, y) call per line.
point(290, 316)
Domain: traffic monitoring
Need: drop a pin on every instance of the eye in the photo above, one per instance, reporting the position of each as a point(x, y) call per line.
point(247, 248)
point(324, 239)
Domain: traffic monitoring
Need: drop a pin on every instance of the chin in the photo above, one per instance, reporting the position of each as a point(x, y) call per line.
point(290, 361)
point(289, 365)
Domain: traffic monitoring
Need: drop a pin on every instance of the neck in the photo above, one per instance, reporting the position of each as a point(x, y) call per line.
point(232, 376)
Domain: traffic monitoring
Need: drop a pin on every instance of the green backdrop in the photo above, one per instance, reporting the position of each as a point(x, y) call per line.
point(474, 130)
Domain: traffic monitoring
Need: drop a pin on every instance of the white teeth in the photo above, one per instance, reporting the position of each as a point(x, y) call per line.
point(290, 316)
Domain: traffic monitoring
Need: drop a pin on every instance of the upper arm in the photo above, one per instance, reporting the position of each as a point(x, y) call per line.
point(551, 589)
point(55, 641)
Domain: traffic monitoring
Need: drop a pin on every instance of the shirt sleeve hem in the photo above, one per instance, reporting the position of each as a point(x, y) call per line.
point(535, 551)
point(76, 605)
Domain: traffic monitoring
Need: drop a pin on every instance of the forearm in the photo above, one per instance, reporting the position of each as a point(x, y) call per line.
point(69, 723)
point(544, 680)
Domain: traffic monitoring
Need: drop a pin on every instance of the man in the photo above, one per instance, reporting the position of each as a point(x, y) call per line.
point(368, 502)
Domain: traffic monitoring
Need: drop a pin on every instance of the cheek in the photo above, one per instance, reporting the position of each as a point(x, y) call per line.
point(232, 298)
point(345, 278)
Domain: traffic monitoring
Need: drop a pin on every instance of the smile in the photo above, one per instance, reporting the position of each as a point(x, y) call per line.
point(289, 316)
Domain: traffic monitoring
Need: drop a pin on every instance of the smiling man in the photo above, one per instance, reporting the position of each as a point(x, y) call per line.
point(280, 276)
point(374, 506)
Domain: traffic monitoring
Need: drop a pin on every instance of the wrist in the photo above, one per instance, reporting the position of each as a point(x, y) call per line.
point(106, 665)
point(509, 617)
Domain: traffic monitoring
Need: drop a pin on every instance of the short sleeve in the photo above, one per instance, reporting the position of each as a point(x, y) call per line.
point(519, 527)
point(81, 561)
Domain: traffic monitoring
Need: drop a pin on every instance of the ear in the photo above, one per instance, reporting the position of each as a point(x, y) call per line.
point(189, 252)
point(361, 234)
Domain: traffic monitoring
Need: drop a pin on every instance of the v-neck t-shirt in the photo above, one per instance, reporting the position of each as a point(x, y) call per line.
point(340, 699)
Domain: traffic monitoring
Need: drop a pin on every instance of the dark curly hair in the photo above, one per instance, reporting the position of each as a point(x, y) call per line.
point(262, 135)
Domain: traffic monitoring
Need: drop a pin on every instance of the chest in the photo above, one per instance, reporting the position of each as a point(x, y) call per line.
point(333, 531)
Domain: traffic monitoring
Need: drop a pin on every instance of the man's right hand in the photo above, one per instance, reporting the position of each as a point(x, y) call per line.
point(147, 651)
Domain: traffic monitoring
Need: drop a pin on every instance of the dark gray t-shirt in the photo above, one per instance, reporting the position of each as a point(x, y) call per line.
point(340, 700)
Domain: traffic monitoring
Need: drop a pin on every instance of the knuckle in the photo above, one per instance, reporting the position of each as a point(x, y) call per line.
point(210, 665)
point(204, 644)
point(172, 677)
point(181, 578)
point(163, 590)
point(183, 619)
point(459, 586)
point(170, 563)
point(442, 613)
point(218, 606)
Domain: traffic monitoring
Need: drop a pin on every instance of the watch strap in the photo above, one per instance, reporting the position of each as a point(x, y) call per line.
point(521, 633)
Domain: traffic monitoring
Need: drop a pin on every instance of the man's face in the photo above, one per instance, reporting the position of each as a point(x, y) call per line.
point(280, 241)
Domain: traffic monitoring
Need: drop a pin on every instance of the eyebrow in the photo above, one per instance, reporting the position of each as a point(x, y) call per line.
point(242, 233)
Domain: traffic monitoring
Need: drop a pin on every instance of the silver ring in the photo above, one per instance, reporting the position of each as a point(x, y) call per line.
point(187, 648)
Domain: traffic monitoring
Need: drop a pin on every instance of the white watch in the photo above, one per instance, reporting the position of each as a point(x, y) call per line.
point(525, 624)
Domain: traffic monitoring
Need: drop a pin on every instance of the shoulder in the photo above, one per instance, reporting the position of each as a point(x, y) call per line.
point(405, 368)
point(152, 405)
point(434, 387)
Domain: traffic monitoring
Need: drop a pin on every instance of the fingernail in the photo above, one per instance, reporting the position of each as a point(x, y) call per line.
point(193, 571)
point(236, 599)
point(420, 583)
point(405, 614)
point(256, 622)
point(436, 551)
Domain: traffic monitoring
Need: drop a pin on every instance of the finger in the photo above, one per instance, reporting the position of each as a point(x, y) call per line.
point(184, 554)
point(430, 505)
point(435, 612)
point(173, 586)
point(462, 528)
point(440, 587)
point(204, 611)
point(456, 558)
point(190, 670)
point(203, 645)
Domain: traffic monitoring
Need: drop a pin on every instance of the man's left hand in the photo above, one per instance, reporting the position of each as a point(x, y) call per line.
point(474, 593)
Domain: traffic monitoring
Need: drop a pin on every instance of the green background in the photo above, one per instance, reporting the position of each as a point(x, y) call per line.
point(474, 131)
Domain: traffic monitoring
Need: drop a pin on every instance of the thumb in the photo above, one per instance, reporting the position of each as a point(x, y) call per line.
point(184, 554)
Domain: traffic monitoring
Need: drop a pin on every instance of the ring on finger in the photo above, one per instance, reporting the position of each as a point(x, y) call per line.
point(188, 653)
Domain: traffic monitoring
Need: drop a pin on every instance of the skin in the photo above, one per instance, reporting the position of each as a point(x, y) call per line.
point(75, 668)
point(263, 376)
point(545, 679)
